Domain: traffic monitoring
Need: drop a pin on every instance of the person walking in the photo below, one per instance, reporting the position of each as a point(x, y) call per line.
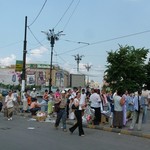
point(78, 114)
point(9, 104)
point(62, 114)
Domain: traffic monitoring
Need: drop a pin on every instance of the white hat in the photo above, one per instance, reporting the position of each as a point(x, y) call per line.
point(33, 89)
point(63, 92)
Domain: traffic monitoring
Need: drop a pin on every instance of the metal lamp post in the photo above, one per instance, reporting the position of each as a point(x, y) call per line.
point(51, 36)
point(78, 58)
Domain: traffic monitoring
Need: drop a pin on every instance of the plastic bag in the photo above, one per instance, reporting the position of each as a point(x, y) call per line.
point(89, 115)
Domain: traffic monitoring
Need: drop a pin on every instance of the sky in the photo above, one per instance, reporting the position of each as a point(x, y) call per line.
point(91, 28)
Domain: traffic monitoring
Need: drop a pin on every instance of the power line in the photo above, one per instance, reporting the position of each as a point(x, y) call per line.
point(64, 60)
point(73, 49)
point(64, 13)
point(38, 13)
point(103, 41)
point(75, 42)
point(11, 44)
point(35, 37)
point(120, 37)
point(71, 15)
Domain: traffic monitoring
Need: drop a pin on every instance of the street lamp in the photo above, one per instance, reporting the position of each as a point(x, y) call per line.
point(88, 67)
point(51, 36)
point(78, 58)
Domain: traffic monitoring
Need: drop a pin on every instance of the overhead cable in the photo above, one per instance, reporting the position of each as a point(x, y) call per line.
point(35, 37)
point(38, 14)
point(103, 41)
point(120, 37)
point(64, 13)
point(71, 15)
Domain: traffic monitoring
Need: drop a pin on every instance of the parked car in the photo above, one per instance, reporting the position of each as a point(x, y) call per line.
point(4, 92)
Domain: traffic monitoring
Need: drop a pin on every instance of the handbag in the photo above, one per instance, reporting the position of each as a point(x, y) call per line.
point(74, 107)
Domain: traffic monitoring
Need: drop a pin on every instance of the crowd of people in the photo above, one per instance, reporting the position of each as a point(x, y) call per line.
point(118, 107)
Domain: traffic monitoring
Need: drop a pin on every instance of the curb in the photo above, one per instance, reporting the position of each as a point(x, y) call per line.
point(121, 131)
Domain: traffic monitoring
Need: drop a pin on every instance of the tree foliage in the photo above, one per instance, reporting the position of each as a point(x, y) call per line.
point(126, 68)
point(147, 83)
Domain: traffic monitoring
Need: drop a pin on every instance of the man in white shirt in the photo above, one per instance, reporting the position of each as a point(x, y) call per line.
point(33, 94)
point(73, 94)
point(95, 104)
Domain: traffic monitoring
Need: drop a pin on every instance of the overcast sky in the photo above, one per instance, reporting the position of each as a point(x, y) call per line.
point(91, 28)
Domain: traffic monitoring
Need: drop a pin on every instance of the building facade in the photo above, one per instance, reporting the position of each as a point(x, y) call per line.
point(36, 74)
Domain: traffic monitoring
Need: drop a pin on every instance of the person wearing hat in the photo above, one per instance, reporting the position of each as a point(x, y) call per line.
point(61, 113)
point(33, 94)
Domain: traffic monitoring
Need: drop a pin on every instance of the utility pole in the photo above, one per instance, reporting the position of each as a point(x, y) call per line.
point(24, 57)
point(88, 67)
point(51, 36)
point(78, 58)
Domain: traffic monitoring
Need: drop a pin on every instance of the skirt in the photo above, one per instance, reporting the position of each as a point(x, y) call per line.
point(118, 119)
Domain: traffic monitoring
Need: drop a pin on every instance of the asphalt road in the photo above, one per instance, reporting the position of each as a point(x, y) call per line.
point(18, 135)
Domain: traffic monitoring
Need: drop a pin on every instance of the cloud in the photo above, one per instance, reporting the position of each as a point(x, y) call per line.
point(38, 53)
point(7, 61)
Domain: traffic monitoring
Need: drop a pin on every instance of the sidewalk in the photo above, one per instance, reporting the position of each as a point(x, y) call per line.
point(145, 132)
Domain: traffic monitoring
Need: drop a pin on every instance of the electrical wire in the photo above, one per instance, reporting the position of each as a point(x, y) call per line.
point(120, 37)
point(64, 13)
point(38, 13)
point(71, 15)
point(62, 58)
point(11, 44)
point(103, 41)
point(35, 37)
point(73, 50)
point(75, 42)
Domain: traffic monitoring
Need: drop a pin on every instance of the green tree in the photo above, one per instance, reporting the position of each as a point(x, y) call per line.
point(126, 69)
point(147, 83)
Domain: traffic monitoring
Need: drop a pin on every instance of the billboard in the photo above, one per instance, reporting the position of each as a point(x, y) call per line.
point(30, 79)
point(9, 76)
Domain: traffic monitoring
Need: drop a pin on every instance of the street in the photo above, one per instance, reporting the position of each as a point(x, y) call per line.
point(23, 134)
